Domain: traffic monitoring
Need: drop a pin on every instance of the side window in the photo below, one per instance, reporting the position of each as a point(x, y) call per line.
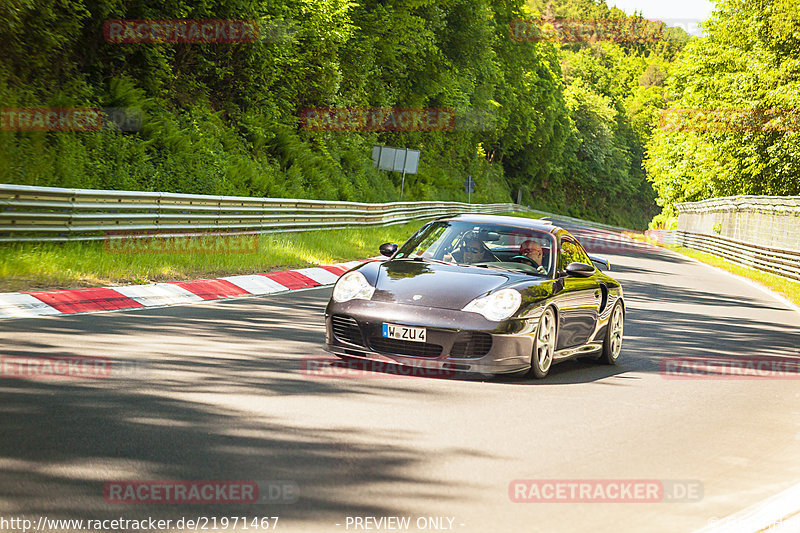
point(426, 242)
point(581, 256)
point(566, 253)
point(571, 252)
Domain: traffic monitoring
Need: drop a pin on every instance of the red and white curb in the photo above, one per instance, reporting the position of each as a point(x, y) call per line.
point(42, 303)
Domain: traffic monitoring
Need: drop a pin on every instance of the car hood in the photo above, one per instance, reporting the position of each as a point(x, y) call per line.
point(432, 284)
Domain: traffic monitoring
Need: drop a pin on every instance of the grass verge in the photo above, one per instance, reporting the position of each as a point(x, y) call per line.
point(36, 266)
point(526, 215)
point(785, 287)
point(32, 266)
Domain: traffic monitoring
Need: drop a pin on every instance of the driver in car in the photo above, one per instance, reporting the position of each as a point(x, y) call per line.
point(532, 250)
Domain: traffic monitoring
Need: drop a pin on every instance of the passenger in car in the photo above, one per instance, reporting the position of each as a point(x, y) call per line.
point(473, 251)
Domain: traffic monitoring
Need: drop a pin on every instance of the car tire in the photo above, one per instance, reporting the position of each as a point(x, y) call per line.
point(612, 343)
point(544, 345)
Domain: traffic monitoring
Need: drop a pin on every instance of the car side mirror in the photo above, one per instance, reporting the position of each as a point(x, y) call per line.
point(388, 249)
point(579, 270)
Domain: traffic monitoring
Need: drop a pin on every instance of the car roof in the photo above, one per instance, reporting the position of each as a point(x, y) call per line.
point(529, 223)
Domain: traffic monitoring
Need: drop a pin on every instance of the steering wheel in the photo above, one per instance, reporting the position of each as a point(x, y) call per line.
point(534, 264)
point(526, 258)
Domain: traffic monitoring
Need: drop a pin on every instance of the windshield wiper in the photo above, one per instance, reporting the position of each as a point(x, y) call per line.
point(432, 260)
point(506, 269)
point(493, 267)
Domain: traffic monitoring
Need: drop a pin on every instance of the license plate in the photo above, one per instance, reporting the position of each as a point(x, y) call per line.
point(404, 333)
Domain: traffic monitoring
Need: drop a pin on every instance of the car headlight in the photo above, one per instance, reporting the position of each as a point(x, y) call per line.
point(352, 285)
point(496, 306)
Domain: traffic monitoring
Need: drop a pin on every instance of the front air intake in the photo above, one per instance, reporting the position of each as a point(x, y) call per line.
point(346, 329)
point(471, 345)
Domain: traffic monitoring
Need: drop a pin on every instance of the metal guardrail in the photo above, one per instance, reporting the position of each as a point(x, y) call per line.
point(778, 261)
point(583, 222)
point(54, 214)
point(662, 236)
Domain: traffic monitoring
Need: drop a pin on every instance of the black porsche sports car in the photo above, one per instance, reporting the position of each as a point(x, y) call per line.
point(479, 294)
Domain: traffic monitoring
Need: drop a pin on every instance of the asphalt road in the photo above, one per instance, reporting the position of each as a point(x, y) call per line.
point(220, 391)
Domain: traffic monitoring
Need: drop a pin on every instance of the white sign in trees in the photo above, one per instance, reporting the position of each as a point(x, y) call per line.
point(396, 160)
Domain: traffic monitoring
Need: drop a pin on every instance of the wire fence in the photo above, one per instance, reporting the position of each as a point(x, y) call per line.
point(760, 232)
point(763, 220)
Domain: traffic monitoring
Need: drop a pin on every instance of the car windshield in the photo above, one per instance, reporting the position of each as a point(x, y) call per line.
point(485, 245)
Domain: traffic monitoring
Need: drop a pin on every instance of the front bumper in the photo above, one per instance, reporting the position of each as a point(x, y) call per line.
point(456, 340)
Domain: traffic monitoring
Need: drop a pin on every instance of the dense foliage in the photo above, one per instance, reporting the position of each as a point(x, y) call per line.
point(733, 125)
point(563, 125)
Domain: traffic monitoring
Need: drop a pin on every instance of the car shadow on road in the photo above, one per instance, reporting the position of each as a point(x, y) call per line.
point(80, 437)
point(179, 408)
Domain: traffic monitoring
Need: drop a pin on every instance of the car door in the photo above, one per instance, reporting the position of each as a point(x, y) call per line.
point(578, 300)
